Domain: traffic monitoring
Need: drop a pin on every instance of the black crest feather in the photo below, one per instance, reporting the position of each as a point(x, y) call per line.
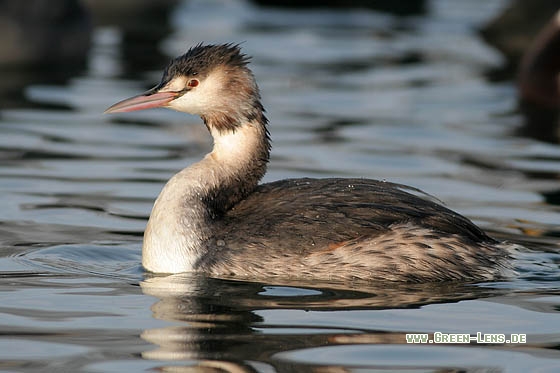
point(201, 59)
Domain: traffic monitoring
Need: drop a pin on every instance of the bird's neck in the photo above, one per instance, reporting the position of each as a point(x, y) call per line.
point(180, 229)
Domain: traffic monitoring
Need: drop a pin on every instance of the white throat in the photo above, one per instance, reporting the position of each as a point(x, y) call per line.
point(181, 228)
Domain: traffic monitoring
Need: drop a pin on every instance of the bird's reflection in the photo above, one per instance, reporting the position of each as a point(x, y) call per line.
point(217, 323)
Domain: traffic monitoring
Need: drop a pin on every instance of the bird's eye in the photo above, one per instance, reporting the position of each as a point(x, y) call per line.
point(192, 83)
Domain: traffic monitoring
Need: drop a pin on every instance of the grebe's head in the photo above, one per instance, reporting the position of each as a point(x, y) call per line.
point(212, 81)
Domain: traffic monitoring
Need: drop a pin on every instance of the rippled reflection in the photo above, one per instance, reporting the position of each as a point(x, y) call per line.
point(236, 321)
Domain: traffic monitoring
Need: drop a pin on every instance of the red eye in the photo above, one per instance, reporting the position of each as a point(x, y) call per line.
point(192, 83)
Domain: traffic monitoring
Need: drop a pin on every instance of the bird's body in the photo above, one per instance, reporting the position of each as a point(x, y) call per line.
point(213, 217)
point(380, 232)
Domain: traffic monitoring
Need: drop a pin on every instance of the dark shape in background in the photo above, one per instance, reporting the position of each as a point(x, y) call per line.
point(539, 94)
point(528, 35)
point(410, 7)
point(515, 29)
point(48, 42)
point(41, 33)
point(41, 42)
point(143, 25)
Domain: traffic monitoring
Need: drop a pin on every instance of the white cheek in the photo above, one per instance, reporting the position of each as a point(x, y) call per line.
point(199, 101)
point(208, 96)
point(190, 102)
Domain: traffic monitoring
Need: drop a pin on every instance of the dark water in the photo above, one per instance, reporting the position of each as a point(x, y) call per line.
point(355, 93)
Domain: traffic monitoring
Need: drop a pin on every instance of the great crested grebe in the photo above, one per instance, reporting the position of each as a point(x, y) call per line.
point(213, 217)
